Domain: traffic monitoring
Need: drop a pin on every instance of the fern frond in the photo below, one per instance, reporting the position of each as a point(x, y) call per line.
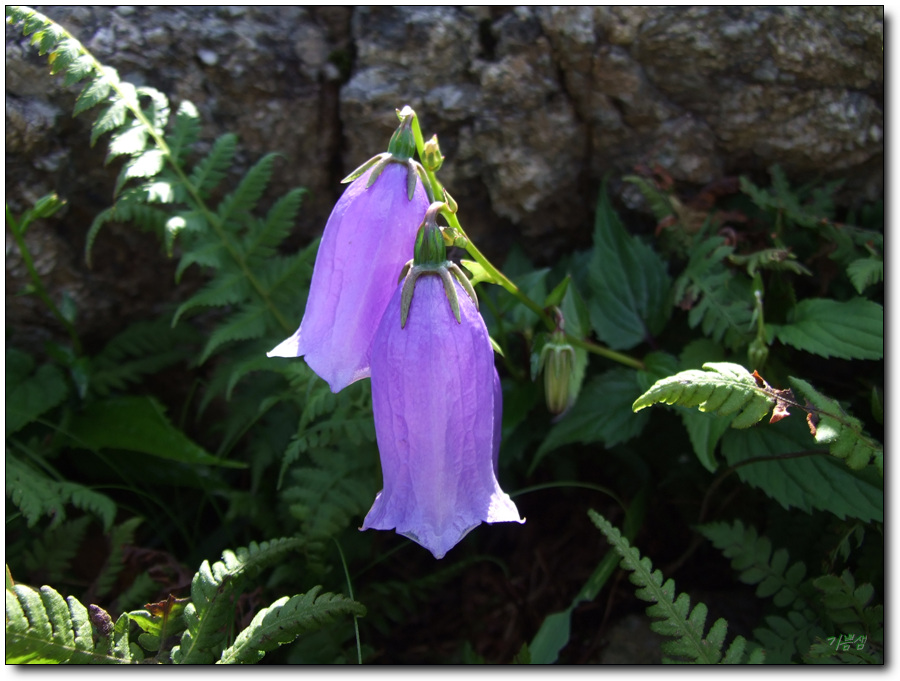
point(723, 388)
point(208, 173)
point(784, 637)
point(143, 348)
point(228, 287)
point(185, 132)
point(37, 495)
point(247, 323)
point(265, 236)
point(331, 494)
point(752, 557)
point(848, 606)
point(720, 301)
point(50, 553)
point(44, 628)
point(844, 434)
point(674, 617)
point(212, 589)
point(865, 272)
point(285, 620)
point(120, 536)
point(244, 198)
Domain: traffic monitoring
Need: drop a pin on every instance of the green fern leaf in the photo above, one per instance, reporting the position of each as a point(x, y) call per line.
point(266, 235)
point(129, 141)
point(212, 589)
point(333, 493)
point(751, 556)
point(112, 117)
point(673, 615)
point(848, 330)
point(248, 192)
point(720, 301)
point(43, 628)
point(50, 553)
point(145, 164)
point(210, 254)
point(865, 272)
point(843, 434)
point(185, 132)
point(246, 323)
point(209, 172)
point(37, 495)
point(120, 536)
point(724, 388)
point(96, 91)
point(285, 620)
point(228, 287)
point(143, 348)
point(158, 110)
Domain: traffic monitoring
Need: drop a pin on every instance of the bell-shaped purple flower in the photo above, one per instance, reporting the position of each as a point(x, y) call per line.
point(436, 398)
point(367, 240)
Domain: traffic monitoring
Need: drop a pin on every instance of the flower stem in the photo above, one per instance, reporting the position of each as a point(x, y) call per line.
point(501, 279)
point(39, 289)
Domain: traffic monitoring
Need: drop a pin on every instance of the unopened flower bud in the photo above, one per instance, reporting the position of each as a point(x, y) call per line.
point(432, 159)
point(558, 360)
point(757, 353)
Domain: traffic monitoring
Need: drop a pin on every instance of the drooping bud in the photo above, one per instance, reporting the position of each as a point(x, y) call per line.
point(430, 257)
point(430, 248)
point(432, 158)
point(558, 360)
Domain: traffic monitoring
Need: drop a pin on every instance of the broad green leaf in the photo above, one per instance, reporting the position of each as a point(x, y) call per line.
point(601, 414)
point(808, 482)
point(629, 282)
point(704, 432)
point(138, 424)
point(28, 398)
point(848, 330)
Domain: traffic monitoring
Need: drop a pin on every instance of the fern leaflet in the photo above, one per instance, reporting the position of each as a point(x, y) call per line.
point(752, 557)
point(212, 589)
point(674, 616)
point(285, 620)
point(44, 628)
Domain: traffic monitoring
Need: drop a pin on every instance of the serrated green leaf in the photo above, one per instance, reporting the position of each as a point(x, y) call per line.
point(209, 172)
point(138, 424)
point(130, 141)
point(848, 330)
point(704, 432)
point(629, 282)
point(601, 414)
point(32, 396)
point(817, 481)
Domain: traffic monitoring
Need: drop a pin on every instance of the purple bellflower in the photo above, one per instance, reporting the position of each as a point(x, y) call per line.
point(367, 240)
point(437, 403)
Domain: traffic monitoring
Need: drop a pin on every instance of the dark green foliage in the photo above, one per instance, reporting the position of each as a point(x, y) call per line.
point(629, 282)
point(102, 450)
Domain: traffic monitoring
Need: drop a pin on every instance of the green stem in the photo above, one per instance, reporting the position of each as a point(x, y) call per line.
point(41, 292)
point(501, 279)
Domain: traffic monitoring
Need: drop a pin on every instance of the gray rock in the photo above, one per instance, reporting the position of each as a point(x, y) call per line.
point(532, 106)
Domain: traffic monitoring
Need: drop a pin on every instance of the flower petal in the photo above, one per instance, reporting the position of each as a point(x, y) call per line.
point(436, 412)
point(367, 240)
